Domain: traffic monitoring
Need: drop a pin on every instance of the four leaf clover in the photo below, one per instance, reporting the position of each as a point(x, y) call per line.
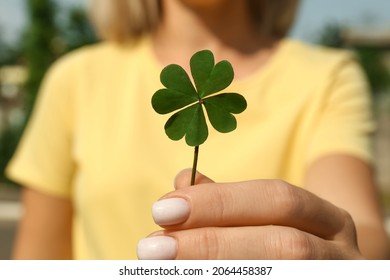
point(180, 95)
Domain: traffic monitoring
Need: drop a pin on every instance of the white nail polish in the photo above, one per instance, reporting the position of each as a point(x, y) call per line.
point(157, 248)
point(170, 211)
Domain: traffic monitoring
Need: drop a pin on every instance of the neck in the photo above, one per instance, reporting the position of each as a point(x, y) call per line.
point(226, 28)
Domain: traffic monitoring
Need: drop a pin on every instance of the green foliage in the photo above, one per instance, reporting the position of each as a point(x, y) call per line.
point(42, 42)
point(331, 35)
point(47, 38)
point(77, 30)
point(39, 48)
point(371, 60)
point(180, 93)
point(8, 142)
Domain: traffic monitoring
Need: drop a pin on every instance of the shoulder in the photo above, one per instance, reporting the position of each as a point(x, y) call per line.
point(86, 56)
point(319, 64)
point(69, 75)
point(321, 56)
point(100, 56)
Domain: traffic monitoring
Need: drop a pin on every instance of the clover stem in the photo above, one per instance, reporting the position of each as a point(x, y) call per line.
point(195, 163)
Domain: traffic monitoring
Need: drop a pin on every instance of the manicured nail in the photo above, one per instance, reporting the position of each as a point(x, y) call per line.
point(157, 248)
point(170, 211)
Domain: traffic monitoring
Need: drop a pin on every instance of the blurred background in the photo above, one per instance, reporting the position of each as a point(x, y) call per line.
point(34, 33)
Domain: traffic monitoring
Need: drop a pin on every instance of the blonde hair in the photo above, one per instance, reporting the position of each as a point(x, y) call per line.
point(123, 20)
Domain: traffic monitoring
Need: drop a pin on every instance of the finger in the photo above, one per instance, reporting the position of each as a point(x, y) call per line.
point(260, 202)
point(267, 242)
point(176, 210)
point(183, 179)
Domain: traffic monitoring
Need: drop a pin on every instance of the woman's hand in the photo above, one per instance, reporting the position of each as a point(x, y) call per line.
point(261, 219)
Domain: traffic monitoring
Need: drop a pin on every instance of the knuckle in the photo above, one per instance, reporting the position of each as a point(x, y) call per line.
point(348, 220)
point(289, 200)
point(294, 244)
point(209, 246)
point(349, 227)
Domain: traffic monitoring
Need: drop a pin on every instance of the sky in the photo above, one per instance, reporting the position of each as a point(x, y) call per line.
point(312, 16)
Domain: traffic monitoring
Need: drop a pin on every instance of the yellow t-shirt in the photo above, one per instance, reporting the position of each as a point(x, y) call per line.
point(95, 138)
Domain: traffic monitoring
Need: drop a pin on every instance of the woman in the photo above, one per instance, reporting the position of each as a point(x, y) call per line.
point(95, 157)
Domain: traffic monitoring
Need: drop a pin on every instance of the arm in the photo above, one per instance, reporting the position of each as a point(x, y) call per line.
point(348, 183)
point(45, 229)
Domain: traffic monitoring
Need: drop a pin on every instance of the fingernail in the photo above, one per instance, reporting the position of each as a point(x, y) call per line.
point(170, 211)
point(157, 248)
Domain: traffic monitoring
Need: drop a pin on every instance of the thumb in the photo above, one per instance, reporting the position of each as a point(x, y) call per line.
point(183, 179)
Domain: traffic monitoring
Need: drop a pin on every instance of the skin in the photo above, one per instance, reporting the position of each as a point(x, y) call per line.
point(45, 229)
point(272, 219)
point(349, 183)
point(335, 216)
point(222, 26)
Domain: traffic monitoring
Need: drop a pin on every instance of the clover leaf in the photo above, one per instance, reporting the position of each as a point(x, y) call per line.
point(189, 101)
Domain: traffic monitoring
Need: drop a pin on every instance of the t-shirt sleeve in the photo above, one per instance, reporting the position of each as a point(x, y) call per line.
point(345, 122)
point(43, 159)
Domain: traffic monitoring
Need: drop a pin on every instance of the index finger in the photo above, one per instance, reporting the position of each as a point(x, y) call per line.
point(254, 203)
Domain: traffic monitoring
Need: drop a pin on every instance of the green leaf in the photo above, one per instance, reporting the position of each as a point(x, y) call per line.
point(168, 100)
point(220, 119)
point(202, 64)
point(175, 77)
point(220, 78)
point(232, 102)
point(190, 122)
point(208, 78)
point(220, 110)
point(180, 94)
